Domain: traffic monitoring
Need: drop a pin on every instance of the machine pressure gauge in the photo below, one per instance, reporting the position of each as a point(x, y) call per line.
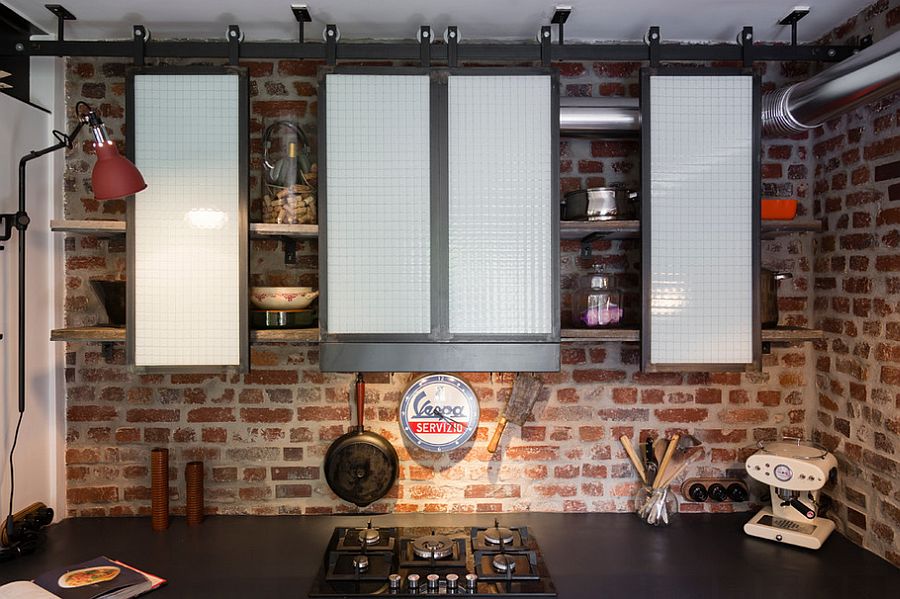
point(783, 472)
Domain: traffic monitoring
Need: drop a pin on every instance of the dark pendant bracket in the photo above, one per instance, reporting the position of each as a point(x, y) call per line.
point(301, 14)
point(234, 44)
point(792, 18)
point(331, 35)
point(139, 34)
point(560, 16)
point(107, 351)
point(290, 250)
point(425, 39)
point(653, 38)
point(452, 46)
point(747, 46)
point(767, 347)
point(62, 15)
point(586, 244)
point(545, 45)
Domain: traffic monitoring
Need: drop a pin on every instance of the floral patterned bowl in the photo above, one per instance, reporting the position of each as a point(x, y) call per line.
point(282, 298)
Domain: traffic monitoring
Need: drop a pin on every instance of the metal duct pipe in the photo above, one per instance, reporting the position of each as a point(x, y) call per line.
point(582, 116)
point(864, 77)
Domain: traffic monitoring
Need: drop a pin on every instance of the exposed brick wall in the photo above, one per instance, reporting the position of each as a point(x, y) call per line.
point(263, 436)
point(857, 283)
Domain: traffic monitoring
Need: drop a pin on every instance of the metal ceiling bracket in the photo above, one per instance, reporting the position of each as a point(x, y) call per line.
point(797, 13)
point(234, 44)
point(653, 39)
point(62, 15)
point(425, 39)
point(139, 35)
point(586, 242)
point(452, 46)
point(108, 351)
point(331, 35)
point(747, 46)
point(301, 14)
point(560, 16)
point(545, 45)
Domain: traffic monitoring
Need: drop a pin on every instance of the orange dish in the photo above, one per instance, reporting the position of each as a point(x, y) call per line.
point(779, 209)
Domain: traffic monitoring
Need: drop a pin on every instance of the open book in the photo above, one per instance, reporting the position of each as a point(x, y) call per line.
point(100, 578)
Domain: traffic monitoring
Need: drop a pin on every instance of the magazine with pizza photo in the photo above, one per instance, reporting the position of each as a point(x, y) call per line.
point(100, 578)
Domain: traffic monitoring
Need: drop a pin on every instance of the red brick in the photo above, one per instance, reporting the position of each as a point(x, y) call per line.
point(539, 453)
point(317, 414)
point(211, 415)
point(616, 70)
point(79, 413)
point(768, 398)
point(266, 414)
point(744, 416)
point(591, 433)
point(82, 495)
point(682, 414)
point(597, 375)
point(482, 491)
point(708, 396)
point(152, 415)
point(298, 68)
point(625, 395)
point(570, 69)
point(271, 377)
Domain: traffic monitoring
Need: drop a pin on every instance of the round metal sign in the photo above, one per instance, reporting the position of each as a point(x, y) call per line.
point(439, 412)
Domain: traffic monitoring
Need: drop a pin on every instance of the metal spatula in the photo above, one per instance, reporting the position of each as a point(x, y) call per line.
point(525, 392)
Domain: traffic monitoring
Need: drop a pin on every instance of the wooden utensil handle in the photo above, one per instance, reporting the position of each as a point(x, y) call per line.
point(629, 449)
point(498, 432)
point(673, 443)
point(360, 400)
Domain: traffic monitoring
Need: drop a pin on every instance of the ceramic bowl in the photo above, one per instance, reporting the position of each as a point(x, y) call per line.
point(282, 298)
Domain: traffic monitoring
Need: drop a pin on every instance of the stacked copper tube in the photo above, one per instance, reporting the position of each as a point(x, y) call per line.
point(193, 477)
point(159, 488)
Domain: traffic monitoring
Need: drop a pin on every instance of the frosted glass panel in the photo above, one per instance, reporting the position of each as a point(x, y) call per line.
point(378, 204)
point(701, 196)
point(500, 190)
point(187, 281)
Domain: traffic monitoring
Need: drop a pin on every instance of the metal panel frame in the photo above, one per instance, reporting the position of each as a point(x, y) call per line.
point(450, 357)
point(334, 345)
point(243, 217)
point(646, 217)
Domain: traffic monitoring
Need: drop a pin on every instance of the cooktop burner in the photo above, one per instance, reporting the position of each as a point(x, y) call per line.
point(484, 561)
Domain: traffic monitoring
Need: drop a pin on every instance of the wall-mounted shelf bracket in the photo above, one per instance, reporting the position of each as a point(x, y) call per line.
point(560, 16)
point(234, 44)
point(62, 15)
point(545, 45)
point(792, 18)
point(452, 46)
point(426, 36)
point(653, 38)
point(139, 35)
point(290, 250)
point(331, 38)
point(301, 14)
point(746, 41)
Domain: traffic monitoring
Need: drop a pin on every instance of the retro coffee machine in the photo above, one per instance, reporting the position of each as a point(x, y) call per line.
point(795, 471)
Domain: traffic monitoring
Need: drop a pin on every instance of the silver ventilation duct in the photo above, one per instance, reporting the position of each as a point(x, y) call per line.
point(864, 77)
point(582, 116)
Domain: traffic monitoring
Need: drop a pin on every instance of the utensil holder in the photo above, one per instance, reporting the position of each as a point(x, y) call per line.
point(159, 488)
point(655, 506)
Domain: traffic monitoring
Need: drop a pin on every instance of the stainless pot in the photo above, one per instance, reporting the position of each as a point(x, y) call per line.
point(599, 203)
point(768, 296)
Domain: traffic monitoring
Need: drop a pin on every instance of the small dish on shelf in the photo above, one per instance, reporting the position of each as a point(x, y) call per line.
point(282, 298)
point(778, 209)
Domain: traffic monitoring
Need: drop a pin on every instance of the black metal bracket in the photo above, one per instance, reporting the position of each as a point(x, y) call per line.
point(331, 35)
point(545, 37)
point(767, 347)
point(865, 42)
point(62, 15)
point(139, 33)
point(747, 46)
point(290, 250)
point(107, 350)
point(425, 46)
point(586, 244)
point(560, 16)
point(301, 14)
point(791, 19)
point(234, 44)
point(452, 46)
point(653, 38)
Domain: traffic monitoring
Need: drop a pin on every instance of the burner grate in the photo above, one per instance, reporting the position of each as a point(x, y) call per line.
point(456, 559)
point(349, 539)
point(524, 566)
point(341, 568)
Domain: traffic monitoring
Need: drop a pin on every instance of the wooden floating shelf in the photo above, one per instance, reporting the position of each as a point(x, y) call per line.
point(107, 228)
point(631, 229)
point(777, 335)
point(99, 228)
point(108, 334)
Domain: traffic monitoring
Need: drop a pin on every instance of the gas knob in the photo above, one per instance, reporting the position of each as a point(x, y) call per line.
point(412, 581)
point(432, 581)
point(717, 492)
point(471, 581)
point(394, 582)
point(452, 582)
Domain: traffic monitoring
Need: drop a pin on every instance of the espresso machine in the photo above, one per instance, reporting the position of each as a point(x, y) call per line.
point(795, 470)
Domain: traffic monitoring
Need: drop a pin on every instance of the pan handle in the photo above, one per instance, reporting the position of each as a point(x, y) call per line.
point(360, 400)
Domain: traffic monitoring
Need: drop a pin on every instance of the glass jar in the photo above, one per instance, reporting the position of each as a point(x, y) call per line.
point(655, 506)
point(598, 301)
point(290, 175)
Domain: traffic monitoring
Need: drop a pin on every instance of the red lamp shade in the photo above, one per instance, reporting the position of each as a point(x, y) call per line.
point(114, 176)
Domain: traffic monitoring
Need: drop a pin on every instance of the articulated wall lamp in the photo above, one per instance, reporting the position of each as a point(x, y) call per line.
point(113, 177)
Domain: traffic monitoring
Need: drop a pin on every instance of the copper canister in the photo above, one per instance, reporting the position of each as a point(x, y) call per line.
point(193, 476)
point(159, 488)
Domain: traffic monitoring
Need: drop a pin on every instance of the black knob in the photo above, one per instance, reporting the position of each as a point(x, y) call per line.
point(717, 492)
point(697, 492)
point(737, 492)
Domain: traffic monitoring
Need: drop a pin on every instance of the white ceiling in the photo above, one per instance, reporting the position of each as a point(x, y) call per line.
point(592, 20)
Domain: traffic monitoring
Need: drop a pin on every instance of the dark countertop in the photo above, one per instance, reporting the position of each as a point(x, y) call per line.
point(589, 555)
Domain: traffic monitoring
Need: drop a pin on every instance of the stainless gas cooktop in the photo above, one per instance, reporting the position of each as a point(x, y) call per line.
point(413, 562)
